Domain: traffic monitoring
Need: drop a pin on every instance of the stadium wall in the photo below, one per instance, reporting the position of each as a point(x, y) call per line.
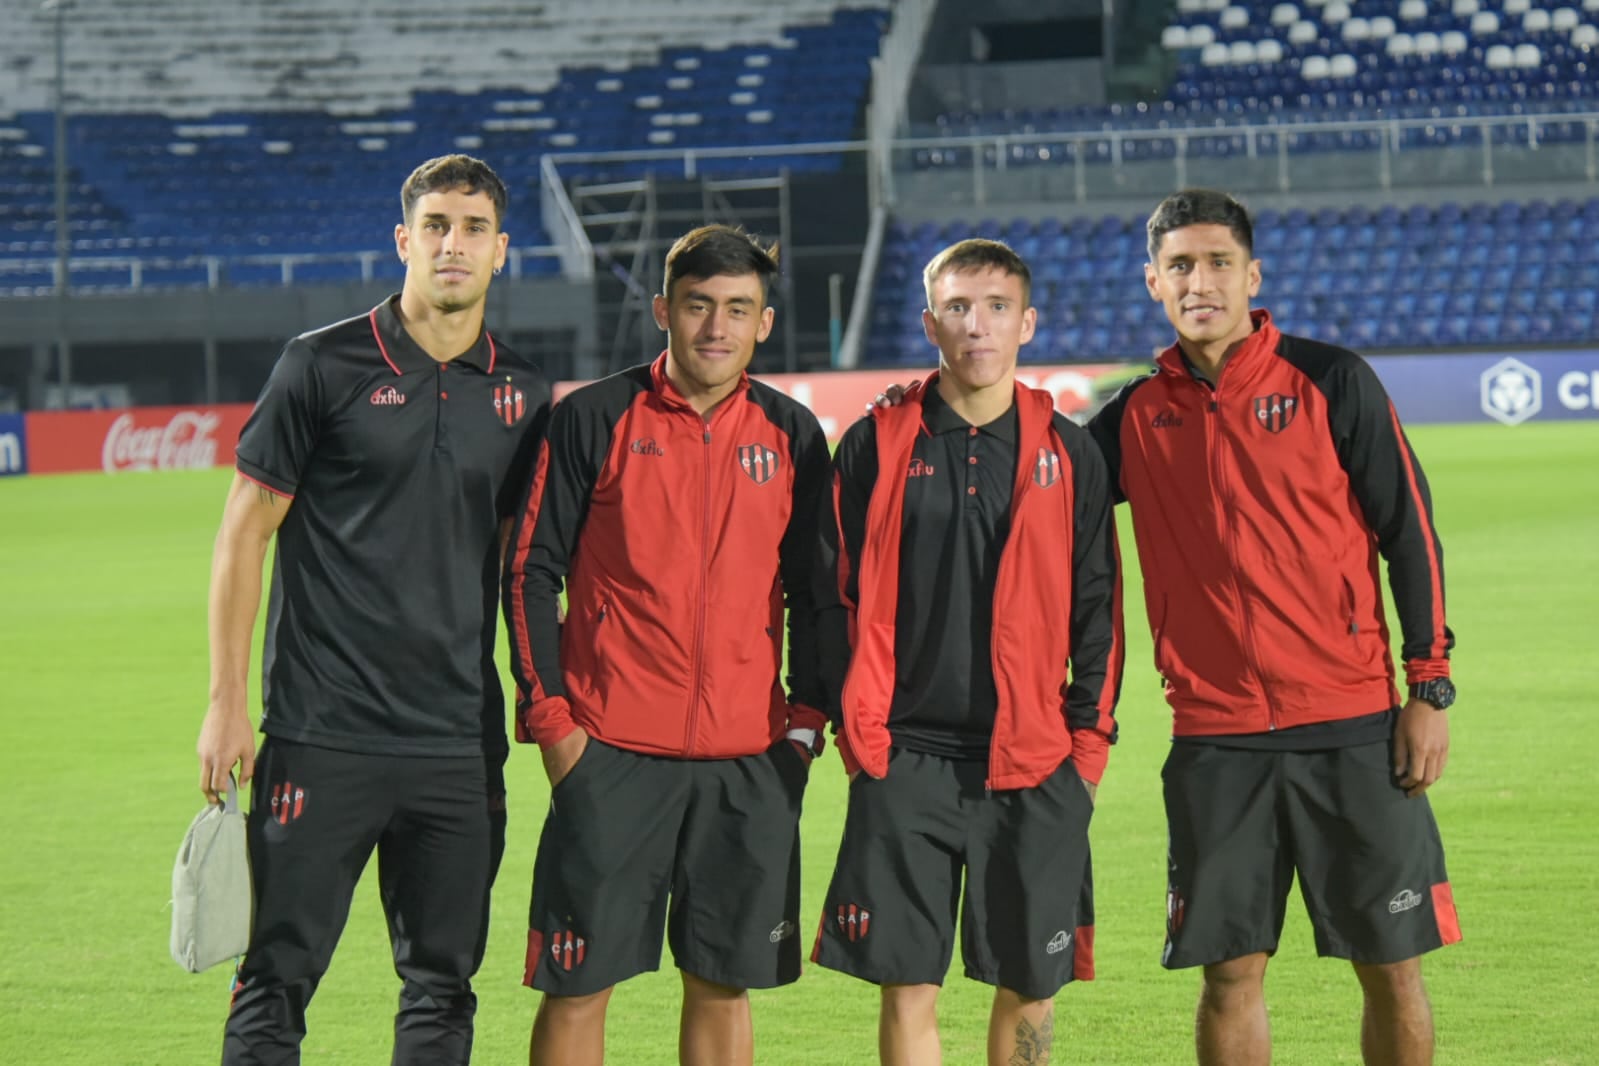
point(1473, 387)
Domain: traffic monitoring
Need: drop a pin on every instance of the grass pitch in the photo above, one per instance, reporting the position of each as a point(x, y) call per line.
point(103, 682)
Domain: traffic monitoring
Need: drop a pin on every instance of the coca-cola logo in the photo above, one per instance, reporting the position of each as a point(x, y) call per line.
point(185, 442)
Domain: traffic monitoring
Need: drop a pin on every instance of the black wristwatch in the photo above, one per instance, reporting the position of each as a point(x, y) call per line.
point(1440, 692)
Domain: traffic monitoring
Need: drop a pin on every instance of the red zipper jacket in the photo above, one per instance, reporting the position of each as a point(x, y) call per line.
point(1057, 600)
point(1261, 507)
point(679, 539)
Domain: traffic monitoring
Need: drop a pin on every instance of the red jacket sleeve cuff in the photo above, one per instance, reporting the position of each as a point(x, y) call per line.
point(1090, 753)
point(802, 717)
point(851, 764)
point(549, 721)
point(1419, 670)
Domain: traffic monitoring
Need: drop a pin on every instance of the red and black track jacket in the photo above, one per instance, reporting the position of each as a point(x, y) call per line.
point(1261, 507)
point(678, 538)
point(1057, 644)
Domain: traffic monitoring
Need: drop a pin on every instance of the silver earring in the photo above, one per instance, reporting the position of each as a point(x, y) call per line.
point(496, 271)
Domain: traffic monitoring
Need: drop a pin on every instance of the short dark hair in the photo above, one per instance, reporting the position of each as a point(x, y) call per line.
point(447, 173)
point(978, 254)
point(717, 251)
point(1200, 207)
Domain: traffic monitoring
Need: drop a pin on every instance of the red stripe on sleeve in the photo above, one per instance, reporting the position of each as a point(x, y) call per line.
point(264, 485)
point(520, 640)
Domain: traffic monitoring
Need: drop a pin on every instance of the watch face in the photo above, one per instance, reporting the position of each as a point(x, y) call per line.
point(1440, 692)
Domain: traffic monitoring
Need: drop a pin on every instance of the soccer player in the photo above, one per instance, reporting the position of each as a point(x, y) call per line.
point(971, 643)
point(678, 503)
point(387, 454)
point(1266, 475)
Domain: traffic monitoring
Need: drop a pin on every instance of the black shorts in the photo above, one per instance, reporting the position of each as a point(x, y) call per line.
point(1028, 922)
point(1242, 823)
point(625, 831)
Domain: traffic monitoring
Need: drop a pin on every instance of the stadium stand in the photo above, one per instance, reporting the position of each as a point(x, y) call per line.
point(1370, 277)
point(1281, 62)
point(256, 134)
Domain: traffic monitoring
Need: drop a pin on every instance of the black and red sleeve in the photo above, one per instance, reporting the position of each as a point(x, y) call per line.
point(1388, 482)
point(277, 441)
point(796, 559)
point(841, 531)
point(543, 540)
point(1098, 642)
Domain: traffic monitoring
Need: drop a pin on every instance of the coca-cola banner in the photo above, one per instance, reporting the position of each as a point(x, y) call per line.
point(134, 438)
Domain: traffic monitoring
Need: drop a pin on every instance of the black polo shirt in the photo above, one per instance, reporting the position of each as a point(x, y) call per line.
point(957, 517)
point(381, 622)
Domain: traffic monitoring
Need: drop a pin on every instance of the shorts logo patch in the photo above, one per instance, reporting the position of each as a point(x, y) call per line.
point(288, 802)
point(757, 461)
point(1046, 469)
point(1059, 942)
point(1405, 901)
point(784, 930)
point(567, 950)
point(1174, 911)
point(854, 921)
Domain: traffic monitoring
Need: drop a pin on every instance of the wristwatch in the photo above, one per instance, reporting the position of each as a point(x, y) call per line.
point(809, 739)
point(1440, 692)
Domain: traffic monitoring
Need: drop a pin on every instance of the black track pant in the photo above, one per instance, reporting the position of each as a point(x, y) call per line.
point(316, 815)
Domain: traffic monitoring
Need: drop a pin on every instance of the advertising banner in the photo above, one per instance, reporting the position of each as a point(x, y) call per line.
point(134, 438)
point(1472, 387)
point(13, 445)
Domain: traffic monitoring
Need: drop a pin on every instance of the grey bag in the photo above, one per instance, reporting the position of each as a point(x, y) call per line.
point(211, 887)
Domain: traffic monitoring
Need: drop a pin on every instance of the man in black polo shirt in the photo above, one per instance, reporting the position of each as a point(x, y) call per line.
point(971, 643)
point(386, 453)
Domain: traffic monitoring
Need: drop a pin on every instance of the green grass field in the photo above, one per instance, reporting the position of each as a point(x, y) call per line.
point(103, 678)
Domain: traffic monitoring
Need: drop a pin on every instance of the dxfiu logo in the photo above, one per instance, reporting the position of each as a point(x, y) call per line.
point(1512, 392)
point(1405, 901)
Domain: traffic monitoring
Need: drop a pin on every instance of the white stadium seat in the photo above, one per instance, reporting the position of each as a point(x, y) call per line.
point(1452, 42)
point(1536, 21)
point(1356, 29)
point(1284, 15)
point(1400, 45)
point(1382, 28)
point(1463, 8)
point(1303, 33)
point(1513, 8)
point(1411, 10)
point(1344, 66)
point(1484, 24)
point(1269, 51)
point(1427, 44)
point(1201, 35)
point(1173, 38)
point(1528, 57)
point(1585, 36)
point(1335, 13)
point(1500, 57)
point(1214, 55)
point(1315, 68)
point(1235, 18)
point(1241, 53)
point(1564, 19)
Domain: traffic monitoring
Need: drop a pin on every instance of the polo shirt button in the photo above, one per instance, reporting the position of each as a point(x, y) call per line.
point(971, 490)
point(444, 396)
point(973, 432)
point(973, 460)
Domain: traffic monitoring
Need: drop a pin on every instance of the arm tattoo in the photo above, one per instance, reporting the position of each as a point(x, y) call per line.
point(266, 496)
point(1033, 1046)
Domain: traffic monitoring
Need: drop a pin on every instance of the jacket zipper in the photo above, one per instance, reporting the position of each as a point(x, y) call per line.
point(1247, 626)
point(690, 728)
